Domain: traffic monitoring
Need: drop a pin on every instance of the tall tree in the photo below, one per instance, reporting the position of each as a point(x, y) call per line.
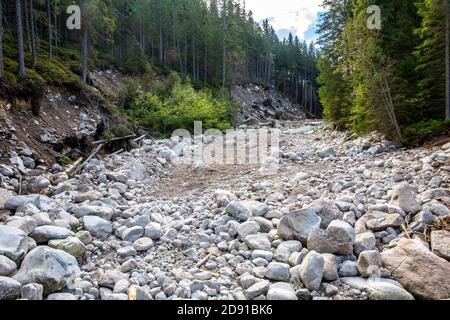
point(1, 39)
point(447, 58)
point(49, 26)
point(20, 51)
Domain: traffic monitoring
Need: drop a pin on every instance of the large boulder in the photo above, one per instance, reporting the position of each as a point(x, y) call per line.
point(16, 202)
point(52, 268)
point(379, 288)
point(297, 224)
point(281, 291)
point(7, 266)
point(404, 196)
point(337, 239)
point(13, 243)
point(44, 234)
point(71, 245)
point(421, 272)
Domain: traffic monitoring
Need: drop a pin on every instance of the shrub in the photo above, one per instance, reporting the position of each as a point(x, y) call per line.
point(63, 160)
point(418, 133)
point(180, 109)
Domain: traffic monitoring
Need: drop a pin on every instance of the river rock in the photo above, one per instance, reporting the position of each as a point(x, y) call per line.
point(52, 268)
point(421, 272)
point(9, 288)
point(13, 243)
point(369, 263)
point(379, 288)
point(440, 244)
point(311, 270)
point(97, 227)
point(71, 245)
point(296, 225)
point(404, 196)
point(43, 234)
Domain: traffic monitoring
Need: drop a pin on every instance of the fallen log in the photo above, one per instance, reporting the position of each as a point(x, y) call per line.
point(114, 139)
point(73, 166)
point(93, 154)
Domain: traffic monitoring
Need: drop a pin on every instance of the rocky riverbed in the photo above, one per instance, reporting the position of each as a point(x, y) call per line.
point(341, 219)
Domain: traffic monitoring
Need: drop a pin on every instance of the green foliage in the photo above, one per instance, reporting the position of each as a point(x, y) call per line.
point(180, 109)
point(385, 80)
point(56, 73)
point(63, 160)
point(418, 133)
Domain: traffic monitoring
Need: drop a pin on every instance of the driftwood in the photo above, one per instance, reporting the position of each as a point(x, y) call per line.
point(73, 166)
point(140, 138)
point(114, 139)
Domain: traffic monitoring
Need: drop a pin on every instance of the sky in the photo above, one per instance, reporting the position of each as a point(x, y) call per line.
point(296, 16)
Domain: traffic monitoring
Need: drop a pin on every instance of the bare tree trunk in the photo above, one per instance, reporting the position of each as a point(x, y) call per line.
point(49, 17)
point(33, 33)
point(224, 58)
point(55, 15)
point(85, 53)
point(27, 25)
point(21, 54)
point(1, 39)
point(447, 59)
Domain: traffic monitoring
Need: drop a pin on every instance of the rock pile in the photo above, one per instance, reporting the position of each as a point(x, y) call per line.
point(330, 225)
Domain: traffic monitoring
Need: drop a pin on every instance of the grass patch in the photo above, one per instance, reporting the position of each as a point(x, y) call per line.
point(418, 133)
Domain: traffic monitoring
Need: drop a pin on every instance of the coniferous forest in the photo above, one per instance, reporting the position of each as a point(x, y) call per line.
point(392, 79)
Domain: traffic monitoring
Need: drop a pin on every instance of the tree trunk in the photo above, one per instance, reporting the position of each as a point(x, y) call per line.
point(85, 53)
point(447, 58)
point(27, 25)
point(33, 33)
point(224, 58)
point(21, 55)
point(1, 39)
point(49, 17)
point(56, 23)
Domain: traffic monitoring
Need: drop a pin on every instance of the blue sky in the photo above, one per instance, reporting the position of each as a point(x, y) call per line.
point(297, 16)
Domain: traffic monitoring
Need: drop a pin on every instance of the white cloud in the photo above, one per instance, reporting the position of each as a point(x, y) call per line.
point(293, 15)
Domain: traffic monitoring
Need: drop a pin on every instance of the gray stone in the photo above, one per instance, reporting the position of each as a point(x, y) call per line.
point(32, 291)
point(385, 221)
point(379, 288)
point(9, 288)
point(440, 244)
point(278, 271)
point(337, 239)
point(327, 210)
point(13, 243)
point(7, 266)
point(404, 196)
point(104, 212)
point(311, 270)
point(259, 288)
point(61, 296)
point(369, 263)
point(223, 198)
point(43, 234)
point(97, 227)
point(153, 231)
point(326, 152)
point(247, 228)
point(364, 242)
point(330, 269)
point(4, 195)
point(132, 234)
point(87, 196)
point(348, 269)
point(143, 244)
point(16, 202)
point(109, 278)
point(281, 291)
point(52, 268)
point(258, 242)
point(26, 224)
point(238, 211)
point(71, 245)
point(296, 225)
